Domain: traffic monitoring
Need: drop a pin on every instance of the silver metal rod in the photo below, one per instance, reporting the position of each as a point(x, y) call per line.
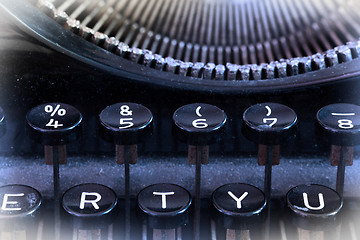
point(268, 170)
point(56, 181)
point(197, 194)
point(267, 190)
point(340, 177)
point(127, 193)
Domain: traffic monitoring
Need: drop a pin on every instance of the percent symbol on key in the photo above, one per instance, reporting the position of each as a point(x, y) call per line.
point(49, 109)
point(60, 112)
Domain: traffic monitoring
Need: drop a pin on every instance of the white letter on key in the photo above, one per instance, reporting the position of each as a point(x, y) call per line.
point(6, 202)
point(238, 200)
point(163, 197)
point(321, 200)
point(93, 202)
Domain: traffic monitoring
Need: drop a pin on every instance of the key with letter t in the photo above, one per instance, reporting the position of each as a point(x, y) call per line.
point(164, 209)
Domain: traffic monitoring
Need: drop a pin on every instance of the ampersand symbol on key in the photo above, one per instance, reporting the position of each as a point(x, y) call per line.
point(125, 110)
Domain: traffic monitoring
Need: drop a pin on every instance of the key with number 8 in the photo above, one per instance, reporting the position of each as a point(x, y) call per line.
point(340, 123)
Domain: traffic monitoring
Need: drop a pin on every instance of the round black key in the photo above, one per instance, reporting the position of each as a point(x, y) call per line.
point(266, 123)
point(18, 201)
point(2, 122)
point(164, 205)
point(238, 199)
point(54, 123)
point(198, 122)
point(314, 201)
point(310, 203)
point(89, 200)
point(341, 122)
point(125, 121)
point(238, 202)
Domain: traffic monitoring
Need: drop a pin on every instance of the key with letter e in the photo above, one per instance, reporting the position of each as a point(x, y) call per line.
point(19, 208)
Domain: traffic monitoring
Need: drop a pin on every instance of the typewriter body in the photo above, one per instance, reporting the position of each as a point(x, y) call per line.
point(93, 54)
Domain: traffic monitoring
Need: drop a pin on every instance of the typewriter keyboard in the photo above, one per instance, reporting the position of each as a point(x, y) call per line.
point(199, 192)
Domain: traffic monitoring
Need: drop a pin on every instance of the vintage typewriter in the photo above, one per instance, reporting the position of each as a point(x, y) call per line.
point(161, 119)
